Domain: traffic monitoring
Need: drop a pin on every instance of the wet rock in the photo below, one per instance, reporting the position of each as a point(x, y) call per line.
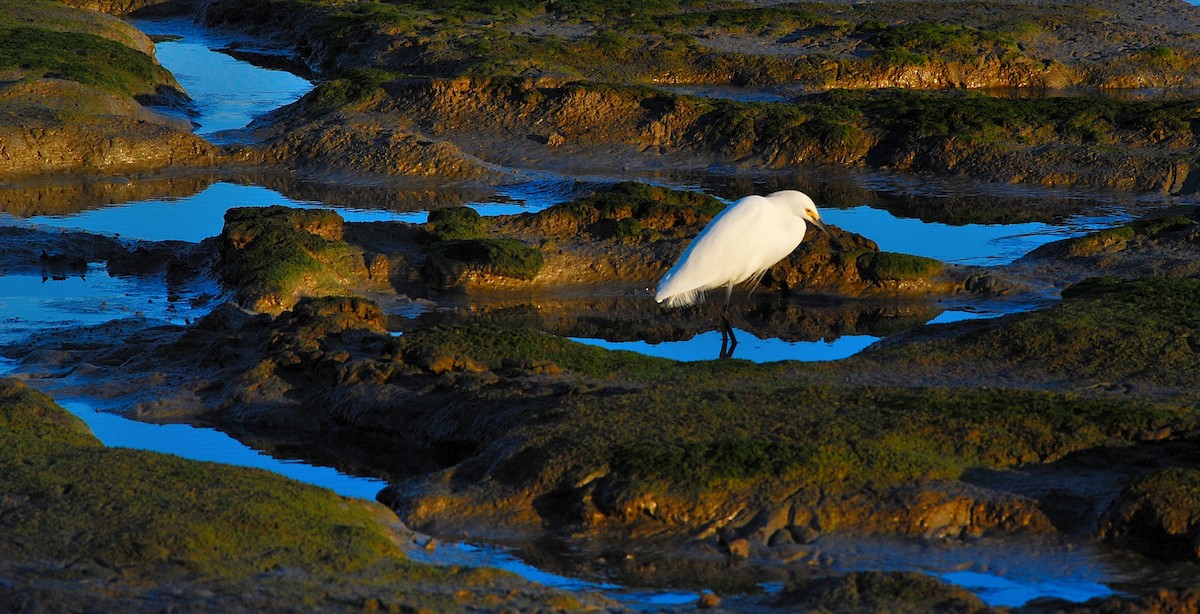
point(122, 530)
point(880, 591)
point(54, 251)
point(481, 260)
point(1158, 514)
point(781, 537)
point(739, 548)
point(1163, 600)
point(1153, 246)
point(272, 256)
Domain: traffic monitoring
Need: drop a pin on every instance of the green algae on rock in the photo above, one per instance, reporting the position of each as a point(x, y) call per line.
point(1159, 514)
point(454, 262)
point(1105, 333)
point(457, 223)
point(890, 266)
point(146, 509)
point(164, 531)
point(274, 255)
point(1115, 239)
point(896, 592)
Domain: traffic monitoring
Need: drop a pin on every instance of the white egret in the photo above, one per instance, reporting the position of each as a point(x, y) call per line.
point(739, 244)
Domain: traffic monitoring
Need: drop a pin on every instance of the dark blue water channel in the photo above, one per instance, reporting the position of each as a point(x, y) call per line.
point(230, 92)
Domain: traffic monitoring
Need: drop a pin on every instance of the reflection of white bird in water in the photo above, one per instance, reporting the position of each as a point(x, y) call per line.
point(739, 244)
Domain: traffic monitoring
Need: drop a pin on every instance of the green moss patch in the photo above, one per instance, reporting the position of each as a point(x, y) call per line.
point(68, 497)
point(1103, 330)
point(627, 211)
point(31, 424)
point(497, 346)
point(353, 87)
point(839, 439)
point(454, 223)
point(890, 266)
point(503, 257)
point(1112, 240)
point(276, 253)
point(691, 428)
point(938, 40)
point(83, 58)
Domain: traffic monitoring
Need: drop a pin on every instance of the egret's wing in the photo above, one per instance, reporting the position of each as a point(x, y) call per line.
point(721, 255)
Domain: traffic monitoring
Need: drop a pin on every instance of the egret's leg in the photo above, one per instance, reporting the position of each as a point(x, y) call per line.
point(726, 329)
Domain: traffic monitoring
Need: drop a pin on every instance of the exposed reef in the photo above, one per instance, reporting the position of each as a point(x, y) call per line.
point(434, 354)
point(91, 527)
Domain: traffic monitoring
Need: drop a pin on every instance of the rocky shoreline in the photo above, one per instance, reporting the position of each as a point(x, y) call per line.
point(490, 425)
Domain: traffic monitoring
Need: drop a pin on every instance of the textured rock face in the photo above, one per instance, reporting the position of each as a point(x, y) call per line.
point(273, 256)
point(373, 144)
point(1159, 514)
point(105, 147)
point(89, 119)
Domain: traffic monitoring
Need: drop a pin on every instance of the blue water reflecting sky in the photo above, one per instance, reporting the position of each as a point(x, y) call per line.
point(205, 444)
point(706, 346)
point(974, 244)
point(196, 217)
point(227, 93)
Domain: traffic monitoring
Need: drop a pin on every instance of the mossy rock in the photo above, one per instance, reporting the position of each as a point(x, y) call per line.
point(1104, 330)
point(890, 266)
point(273, 255)
point(626, 211)
point(454, 223)
point(144, 524)
point(737, 427)
point(67, 496)
point(353, 88)
point(52, 41)
point(332, 314)
point(1159, 513)
point(32, 424)
point(457, 261)
point(1112, 240)
point(516, 343)
point(880, 591)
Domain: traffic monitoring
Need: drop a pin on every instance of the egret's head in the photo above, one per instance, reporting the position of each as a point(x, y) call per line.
point(803, 206)
point(799, 203)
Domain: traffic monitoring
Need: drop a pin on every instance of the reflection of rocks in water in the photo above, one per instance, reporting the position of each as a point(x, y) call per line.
point(930, 200)
point(391, 194)
point(63, 197)
point(636, 317)
point(53, 252)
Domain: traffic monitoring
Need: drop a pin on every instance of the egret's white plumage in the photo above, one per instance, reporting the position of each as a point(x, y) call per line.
point(739, 244)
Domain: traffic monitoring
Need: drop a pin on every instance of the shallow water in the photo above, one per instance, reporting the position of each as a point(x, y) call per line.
point(33, 303)
point(196, 217)
point(706, 346)
point(229, 93)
